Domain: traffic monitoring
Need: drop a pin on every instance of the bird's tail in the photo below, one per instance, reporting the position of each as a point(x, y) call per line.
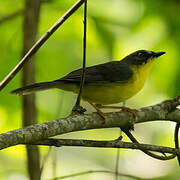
point(36, 87)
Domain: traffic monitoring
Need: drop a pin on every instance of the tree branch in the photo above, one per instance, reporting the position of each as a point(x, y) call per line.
point(105, 144)
point(165, 111)
point(40, 42)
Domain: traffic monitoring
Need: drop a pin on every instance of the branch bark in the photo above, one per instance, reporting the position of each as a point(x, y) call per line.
point(165, 111)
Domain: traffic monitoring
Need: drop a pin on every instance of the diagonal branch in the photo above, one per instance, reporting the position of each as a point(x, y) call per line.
point(133, 139)
point(11, 16)
point(164, 111)
point(40, 42)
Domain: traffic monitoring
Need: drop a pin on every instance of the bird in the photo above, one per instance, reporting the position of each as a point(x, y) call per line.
point(105, 84)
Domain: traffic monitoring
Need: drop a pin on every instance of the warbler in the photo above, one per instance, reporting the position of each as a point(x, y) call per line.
point(107, 83)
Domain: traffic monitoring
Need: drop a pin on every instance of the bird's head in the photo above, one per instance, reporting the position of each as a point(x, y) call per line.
point(142, 57)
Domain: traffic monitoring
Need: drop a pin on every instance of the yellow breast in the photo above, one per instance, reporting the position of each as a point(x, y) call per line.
point(111, 93)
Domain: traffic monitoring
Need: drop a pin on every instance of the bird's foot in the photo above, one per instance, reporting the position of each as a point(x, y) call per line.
point(123, 108)
point(99, 112)
point(119, 138)
point(78, 110)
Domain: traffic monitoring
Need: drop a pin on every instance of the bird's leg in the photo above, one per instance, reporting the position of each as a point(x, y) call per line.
point(97, 109)
point(77, 109)
point(123, 108)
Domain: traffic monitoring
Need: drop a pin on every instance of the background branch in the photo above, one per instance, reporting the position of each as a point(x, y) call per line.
point(30, 29)
point(17, 13)
point(97, 171)
point(11, 16)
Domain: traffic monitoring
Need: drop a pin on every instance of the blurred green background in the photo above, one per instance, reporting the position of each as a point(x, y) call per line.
point(115, 29)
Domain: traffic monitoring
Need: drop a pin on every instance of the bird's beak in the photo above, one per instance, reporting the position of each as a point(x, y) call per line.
point(158, 54)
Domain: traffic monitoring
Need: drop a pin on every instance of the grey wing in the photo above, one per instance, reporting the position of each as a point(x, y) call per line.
point(107, 72)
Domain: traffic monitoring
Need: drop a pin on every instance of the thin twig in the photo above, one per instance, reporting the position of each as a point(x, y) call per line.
point(19, 12)
point(45, 159)
point(54, 163)
point(11, 16)
point(105, 144)
point(40, 42)
point(133, 139)
point(117, 158)
point(97, 171)
point(118, 151)
point(176, 139)
point(50, 149)
point(84, 56)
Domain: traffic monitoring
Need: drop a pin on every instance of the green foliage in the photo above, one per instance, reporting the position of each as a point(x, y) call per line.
point(115, 28)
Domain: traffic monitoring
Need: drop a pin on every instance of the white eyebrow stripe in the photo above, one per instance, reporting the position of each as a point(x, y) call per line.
point(149, 52)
